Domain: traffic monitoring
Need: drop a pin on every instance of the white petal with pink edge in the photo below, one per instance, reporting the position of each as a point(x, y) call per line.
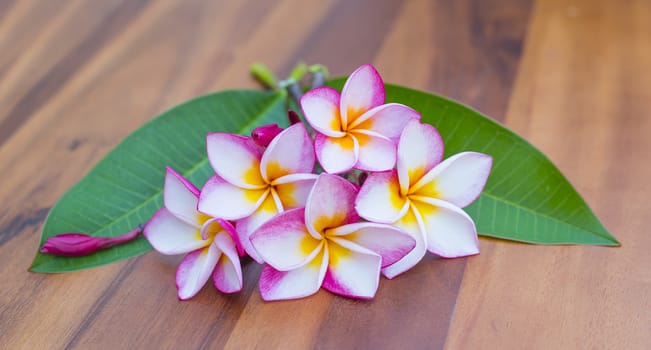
point(391, 243)
point(353, 271)
point(419, 150)
point(293, 178)
point(321, 109)
point(210, 228)
point(180, 197)
point(450, 232)
point(283, 241)
point(388, 120)
point(331, 203)
point(214, 226)
point(412, 224)
point(171, 235)
point(290, 152)
point(294, 193)
point(363, 90)
point(227, 276)
point(458, 180)
point(223, 200)
point(195, 269)
point(298, 283)
point(376, 152)
point(336, 154)
point(379, 199)
point(245, 227)
point(236, 159)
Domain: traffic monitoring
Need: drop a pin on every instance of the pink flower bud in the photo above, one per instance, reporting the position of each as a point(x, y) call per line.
point(263, 135)
point(293, 117)
point(79, 244)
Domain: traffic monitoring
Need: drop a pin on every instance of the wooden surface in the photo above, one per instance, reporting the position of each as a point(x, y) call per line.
point(573, 77)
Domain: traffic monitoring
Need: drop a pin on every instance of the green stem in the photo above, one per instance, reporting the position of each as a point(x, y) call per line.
point(264, 75)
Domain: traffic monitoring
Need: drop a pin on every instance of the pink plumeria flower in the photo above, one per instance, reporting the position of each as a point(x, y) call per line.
point(252, 184)
point(424, 196)
point(356, 129)
point(323, 244)
point(178, 228)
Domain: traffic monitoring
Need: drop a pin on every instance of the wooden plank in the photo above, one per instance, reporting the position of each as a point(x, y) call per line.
point(67, 51)
point(581, 96)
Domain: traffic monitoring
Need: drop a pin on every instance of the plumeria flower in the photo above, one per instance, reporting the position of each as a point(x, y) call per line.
point(252, 184)
point(424, 196)
point(323, 244)
point(178, 228)
point(356, 129)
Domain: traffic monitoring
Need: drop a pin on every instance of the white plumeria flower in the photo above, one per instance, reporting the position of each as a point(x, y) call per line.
point(178, 228)
point(356, 129)
point(323, 244)
point(253, 184)
point(424, 196)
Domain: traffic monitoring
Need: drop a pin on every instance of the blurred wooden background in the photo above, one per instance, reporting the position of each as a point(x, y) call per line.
point(573, 77)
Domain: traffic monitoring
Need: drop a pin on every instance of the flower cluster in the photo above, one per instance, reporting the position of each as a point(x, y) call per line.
point(322, 230)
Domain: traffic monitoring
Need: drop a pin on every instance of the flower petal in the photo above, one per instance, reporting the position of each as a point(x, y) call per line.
point(331, 203)
point(236, 159)
point(284, 242)
point(363, 90)
point(214, 226)
point(388, 120)
point(412, 224)
point(222, 200)
point(375, 153)
point(379, 199)
point(450, 232)
point(458, 180)
point(298, 283)
point(245, 227)
point(290, 152)
point(227, 276)
point(181, 197)
point(194, 271)
point(171, 235)
point(336, 154)
point(210, 228)
point(293, 189)
point(419, 150)
point(391, 243)
point(321, 109)
point(353, 271)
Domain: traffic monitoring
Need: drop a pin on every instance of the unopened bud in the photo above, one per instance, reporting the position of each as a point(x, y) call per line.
point(80, 244)
point(293, 117)
point(263, 135)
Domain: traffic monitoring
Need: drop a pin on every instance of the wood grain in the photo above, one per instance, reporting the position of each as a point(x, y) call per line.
point(582, 96)
point(76, 78)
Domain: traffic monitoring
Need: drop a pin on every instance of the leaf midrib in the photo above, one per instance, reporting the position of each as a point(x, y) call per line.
point(519, 206)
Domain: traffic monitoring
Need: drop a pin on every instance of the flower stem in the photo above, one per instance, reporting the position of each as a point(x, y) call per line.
point(264, 75)
point(319, 75)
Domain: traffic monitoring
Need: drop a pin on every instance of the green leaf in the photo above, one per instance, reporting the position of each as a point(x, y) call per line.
point(125, 188)
point(526, 198)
